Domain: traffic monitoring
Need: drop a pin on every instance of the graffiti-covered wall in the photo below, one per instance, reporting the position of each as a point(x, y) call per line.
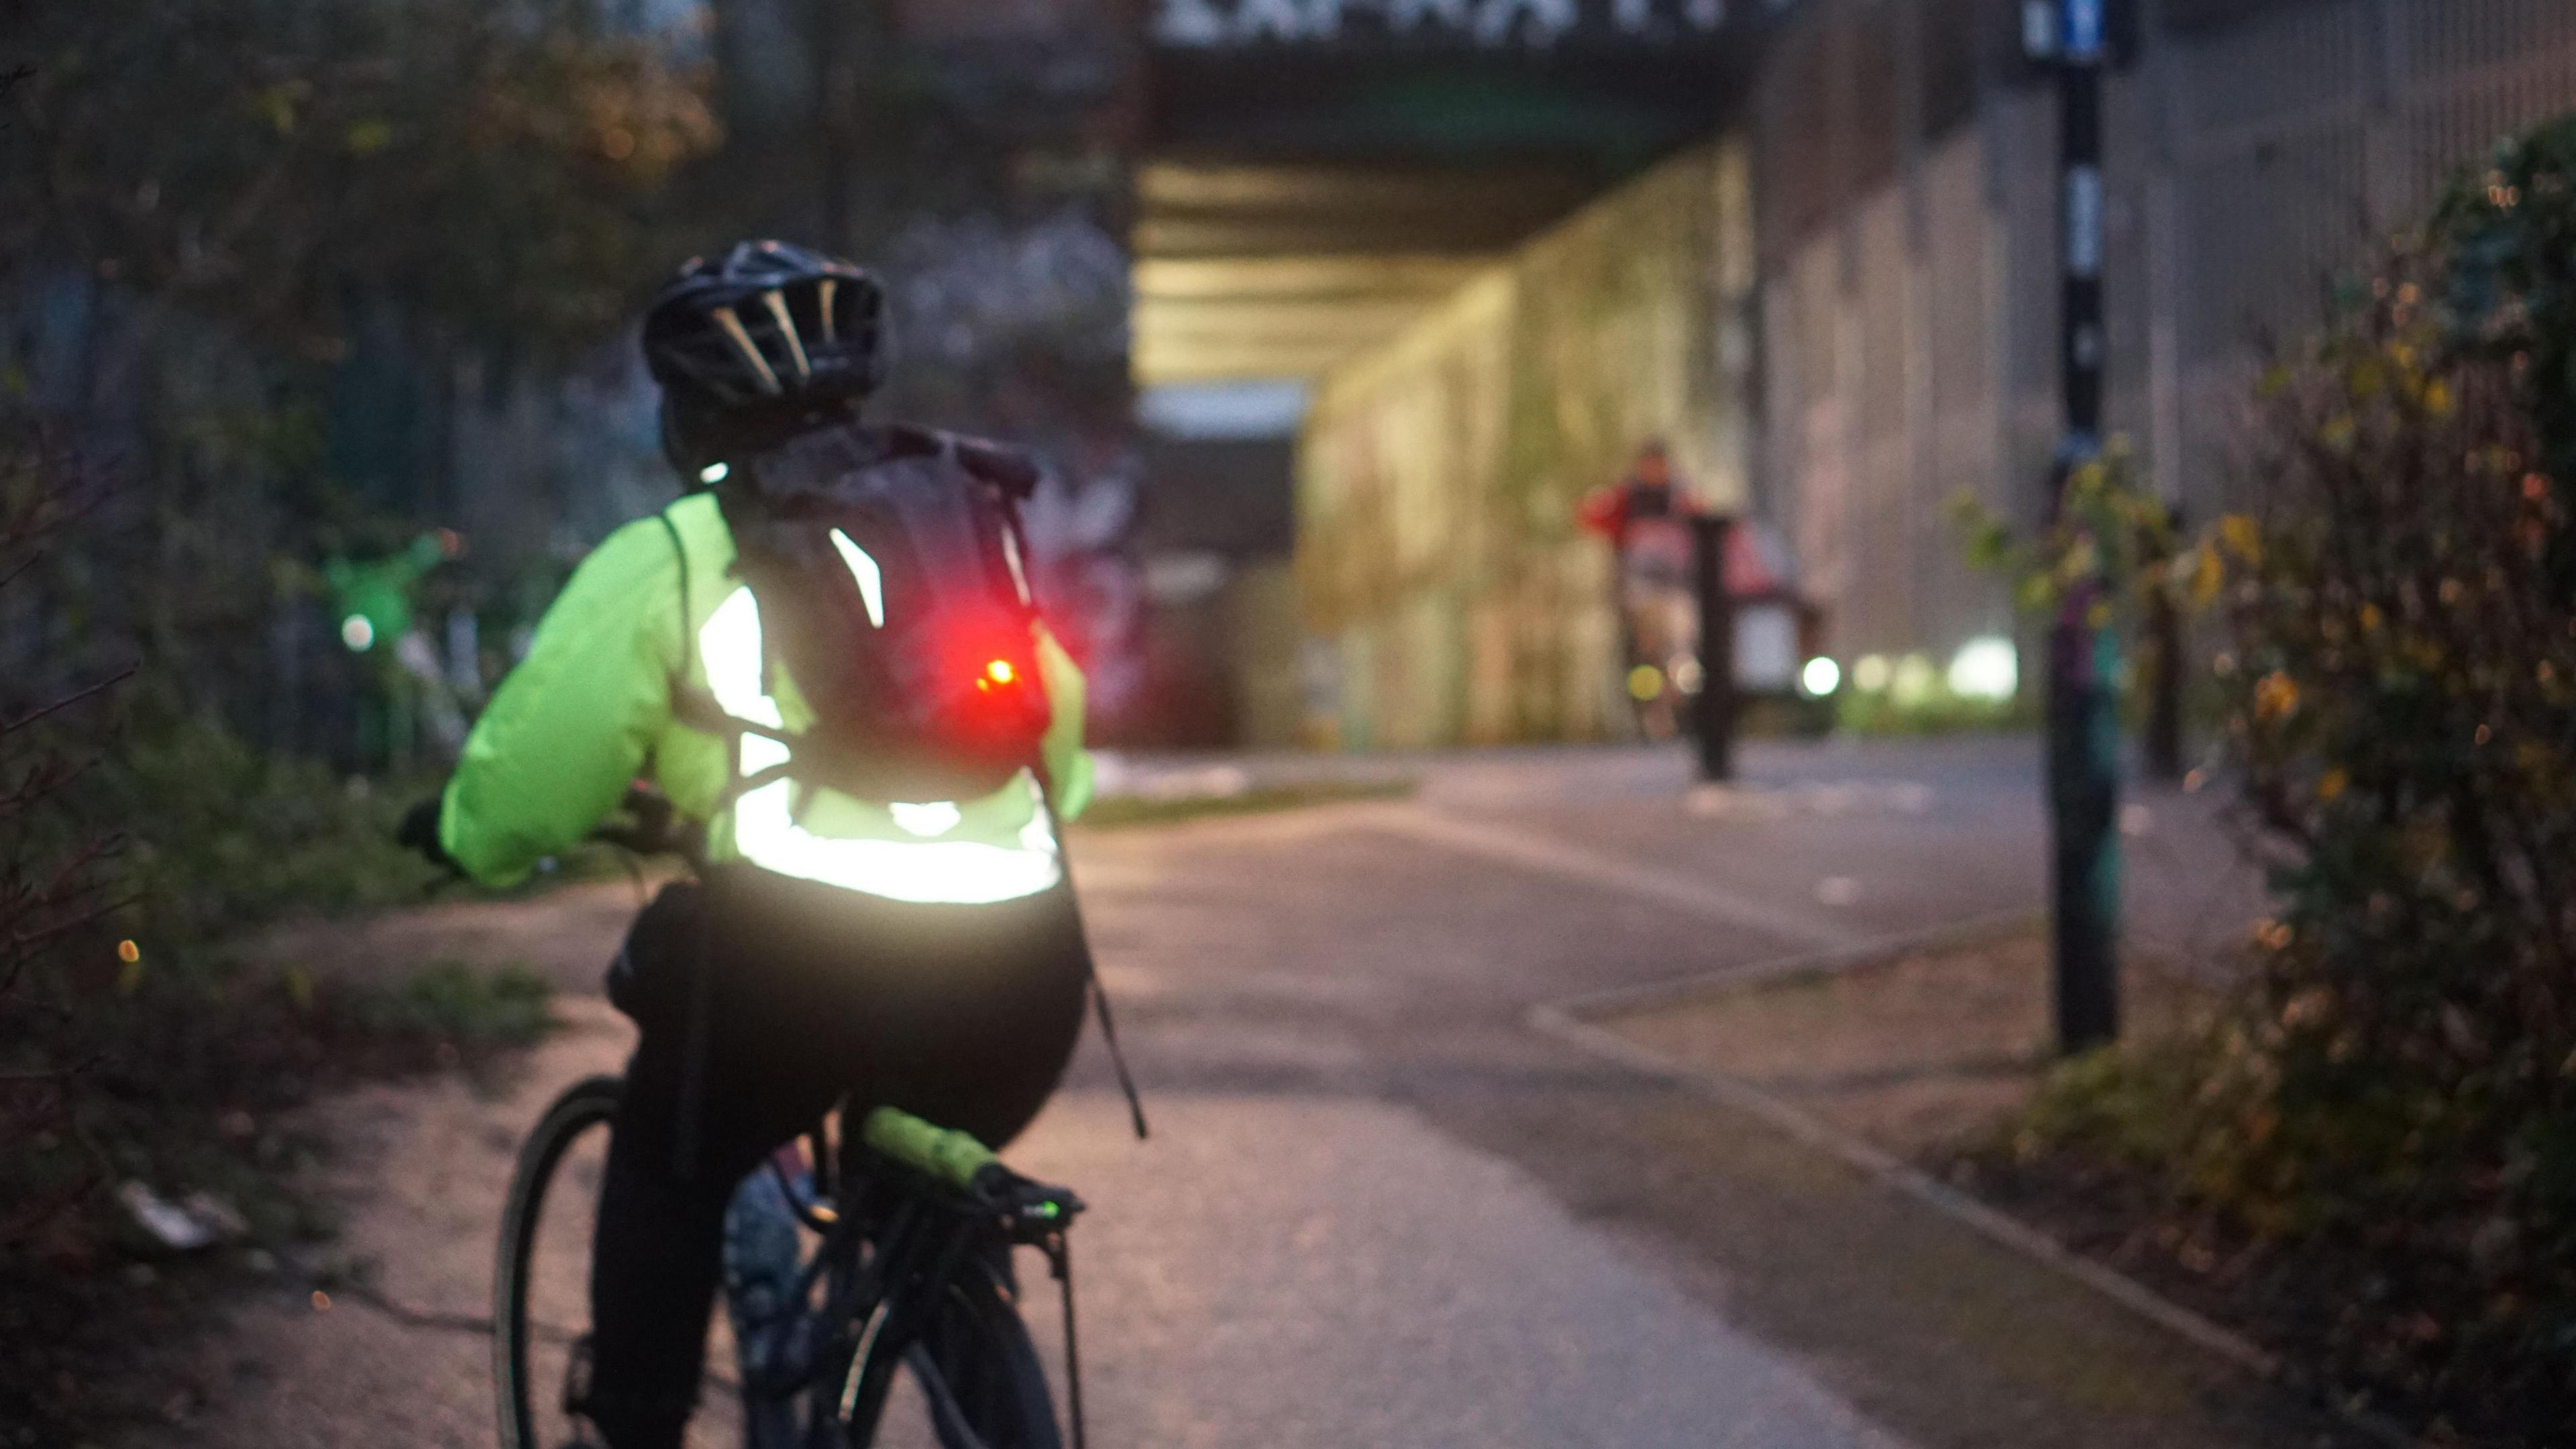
point(1447, 593)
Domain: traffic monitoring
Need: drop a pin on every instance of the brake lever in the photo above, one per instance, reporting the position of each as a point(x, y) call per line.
point(1033, 1210)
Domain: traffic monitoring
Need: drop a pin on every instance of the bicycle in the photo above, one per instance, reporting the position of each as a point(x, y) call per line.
point(908, 1279)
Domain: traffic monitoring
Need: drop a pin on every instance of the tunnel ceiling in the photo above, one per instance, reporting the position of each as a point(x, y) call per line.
point(1317, 172)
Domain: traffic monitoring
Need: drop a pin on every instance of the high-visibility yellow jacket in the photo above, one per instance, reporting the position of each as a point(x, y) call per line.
point(592, 708)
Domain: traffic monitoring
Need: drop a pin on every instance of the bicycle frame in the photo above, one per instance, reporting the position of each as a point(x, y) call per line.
point(884, 1261)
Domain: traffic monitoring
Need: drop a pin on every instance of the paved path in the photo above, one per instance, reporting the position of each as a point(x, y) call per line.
point(1378, 1211)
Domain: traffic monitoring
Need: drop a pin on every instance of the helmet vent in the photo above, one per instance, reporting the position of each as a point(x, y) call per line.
point(777, 305)
point(731, 326)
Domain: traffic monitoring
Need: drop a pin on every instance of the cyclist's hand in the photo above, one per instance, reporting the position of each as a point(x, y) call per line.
point(419, 831)
point(642, 825)
point(1023, 1200)
point(652, 813)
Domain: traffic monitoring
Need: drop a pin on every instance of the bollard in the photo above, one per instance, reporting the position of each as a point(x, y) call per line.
point(1715, 715)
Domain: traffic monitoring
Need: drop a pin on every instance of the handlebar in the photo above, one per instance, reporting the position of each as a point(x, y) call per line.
point(950, 1156)
point(652, 827)
point(967, 1166)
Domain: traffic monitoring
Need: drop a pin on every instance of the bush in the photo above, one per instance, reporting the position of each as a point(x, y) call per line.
point(206, 208)
point(2402, 669)
point(2110, 550)
point(229, 839)
point(2389, 1118)
point(140, 843)
point(2382, 1132)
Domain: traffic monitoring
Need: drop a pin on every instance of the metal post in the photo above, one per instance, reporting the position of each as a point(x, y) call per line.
point(2164, 745)
point(2083, 662)
point(1715, 715)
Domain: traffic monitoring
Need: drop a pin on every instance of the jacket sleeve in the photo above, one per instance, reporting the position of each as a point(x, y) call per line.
point(571, 726)
point(1066, 761)
point(1603, 511)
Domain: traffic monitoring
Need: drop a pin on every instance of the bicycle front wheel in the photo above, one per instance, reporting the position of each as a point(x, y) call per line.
point(973, 1381)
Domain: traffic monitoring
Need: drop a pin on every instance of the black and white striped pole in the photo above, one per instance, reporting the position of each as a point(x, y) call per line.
point(2074, 37)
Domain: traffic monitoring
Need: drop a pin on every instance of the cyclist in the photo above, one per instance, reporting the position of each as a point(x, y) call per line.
point(917, 953)
point(1646, 518)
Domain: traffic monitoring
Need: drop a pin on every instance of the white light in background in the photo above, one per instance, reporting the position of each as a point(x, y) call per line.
point(1186, 577)
point(1871, 674)
point(1987, 668)
point(1914, 680)
point(713, 473)
point(1254, 408)
point(1766, 646)
point(1821, 677)
point(358, 633)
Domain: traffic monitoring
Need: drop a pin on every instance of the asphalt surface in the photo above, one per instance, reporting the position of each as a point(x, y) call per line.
point(1379, 1210)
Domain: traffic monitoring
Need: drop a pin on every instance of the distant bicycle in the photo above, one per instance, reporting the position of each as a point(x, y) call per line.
point(868, 1281)
point(905, 1304)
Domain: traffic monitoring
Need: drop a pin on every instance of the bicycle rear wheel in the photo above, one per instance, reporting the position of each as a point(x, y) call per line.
point(541, 1282)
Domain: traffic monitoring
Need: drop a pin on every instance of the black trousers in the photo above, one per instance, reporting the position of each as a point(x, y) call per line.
point(964, 1015)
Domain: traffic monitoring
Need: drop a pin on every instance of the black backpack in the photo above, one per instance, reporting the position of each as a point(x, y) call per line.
point(887, 562)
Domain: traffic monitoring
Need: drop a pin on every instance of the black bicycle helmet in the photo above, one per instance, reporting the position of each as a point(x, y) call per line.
point(768, 323)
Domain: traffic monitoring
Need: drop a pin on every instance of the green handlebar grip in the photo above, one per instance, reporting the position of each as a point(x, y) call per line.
point(952, 1157)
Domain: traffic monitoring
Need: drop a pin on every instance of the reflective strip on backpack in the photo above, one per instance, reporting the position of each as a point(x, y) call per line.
point(765, 831)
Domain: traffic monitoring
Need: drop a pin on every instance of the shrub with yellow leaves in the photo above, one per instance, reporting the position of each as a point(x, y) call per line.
point(2400, 706)
point(2385, 1124)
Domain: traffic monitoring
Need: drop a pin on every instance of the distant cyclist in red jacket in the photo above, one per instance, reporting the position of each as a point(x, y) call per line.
point(1646, 518)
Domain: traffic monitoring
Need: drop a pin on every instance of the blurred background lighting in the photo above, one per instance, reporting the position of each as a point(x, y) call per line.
point(1986, 668)
point(1821, 677)
point(358, 633)
point(1871, 674)
point(1914, 680)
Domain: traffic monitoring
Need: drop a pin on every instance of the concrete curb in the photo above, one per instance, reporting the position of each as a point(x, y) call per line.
point(1975, 931)
point(1570, 1022)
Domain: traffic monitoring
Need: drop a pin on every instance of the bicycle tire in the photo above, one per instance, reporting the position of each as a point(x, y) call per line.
point(982, 1351)
point(977, 1345)
point(584, 1106)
